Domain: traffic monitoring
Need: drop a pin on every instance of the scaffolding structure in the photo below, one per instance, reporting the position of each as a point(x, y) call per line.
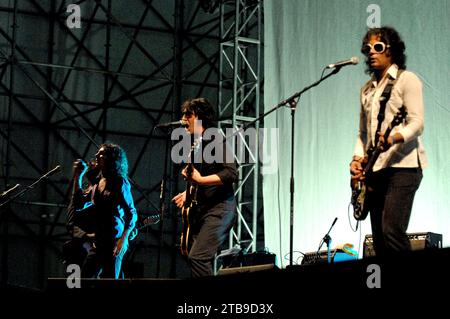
point(239, 101)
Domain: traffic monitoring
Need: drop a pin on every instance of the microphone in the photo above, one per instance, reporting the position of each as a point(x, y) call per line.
point(9, 190)
point(334, 222)
point(53, 171)
point(179, 123)
point(353, 60)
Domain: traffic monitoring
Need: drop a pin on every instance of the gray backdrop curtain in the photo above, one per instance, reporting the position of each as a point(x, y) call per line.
point(301, 37)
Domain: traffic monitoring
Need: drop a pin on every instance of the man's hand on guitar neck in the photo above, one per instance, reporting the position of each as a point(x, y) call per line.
point(195, 176)
point(179, 199)
point(198, 179)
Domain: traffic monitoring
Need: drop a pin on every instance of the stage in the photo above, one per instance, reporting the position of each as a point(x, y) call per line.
point(418, 276)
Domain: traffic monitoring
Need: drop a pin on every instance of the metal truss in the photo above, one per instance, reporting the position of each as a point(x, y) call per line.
point(239, 101)
point(64, 91)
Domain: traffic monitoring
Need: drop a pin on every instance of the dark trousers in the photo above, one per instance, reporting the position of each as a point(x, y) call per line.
point(100, 262)
point(209, 233)
point(391, 194)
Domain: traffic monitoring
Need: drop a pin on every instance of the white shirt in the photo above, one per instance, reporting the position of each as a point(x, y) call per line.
point(407, 91)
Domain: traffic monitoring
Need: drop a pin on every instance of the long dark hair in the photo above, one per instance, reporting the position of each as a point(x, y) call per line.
point(391, 37)
point(116, 162)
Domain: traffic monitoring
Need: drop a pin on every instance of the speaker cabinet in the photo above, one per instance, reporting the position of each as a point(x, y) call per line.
point(418, 241)
point(239, 262)
point(250, 259)
point(245, 269)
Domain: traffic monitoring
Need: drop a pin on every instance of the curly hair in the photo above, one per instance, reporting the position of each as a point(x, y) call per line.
point(389, 36)
point(116, 162)
point(202, 108)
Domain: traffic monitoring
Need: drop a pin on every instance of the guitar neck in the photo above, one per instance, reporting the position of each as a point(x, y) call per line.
point(147, 221)
point(191, 188)
point(188, 200)
point(376, 153)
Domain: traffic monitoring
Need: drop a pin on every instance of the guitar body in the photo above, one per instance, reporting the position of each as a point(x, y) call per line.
point(186, 216)
point(189, 206)
point(360, 190)
point(360, 201)
point(185, 243)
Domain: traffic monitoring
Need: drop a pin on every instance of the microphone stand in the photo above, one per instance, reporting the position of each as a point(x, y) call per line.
point(292, 103)
point(326, 239)
point(24, 190)
point(4, 261)
point(162, 207)
point(8, 191)
point(162, 203)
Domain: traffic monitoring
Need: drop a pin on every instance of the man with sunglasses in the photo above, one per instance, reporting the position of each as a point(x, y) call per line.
point(214, 213)
point(397, 173)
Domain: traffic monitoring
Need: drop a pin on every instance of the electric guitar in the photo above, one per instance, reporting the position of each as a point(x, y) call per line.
point(360, 190)
point(188, 206)
point(141, 224)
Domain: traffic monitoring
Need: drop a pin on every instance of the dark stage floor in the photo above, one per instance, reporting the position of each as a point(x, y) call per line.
point(418, 277)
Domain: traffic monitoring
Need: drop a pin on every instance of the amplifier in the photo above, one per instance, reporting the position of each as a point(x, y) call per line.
point(418, 241)
point(237, 261)
point(246, 269)
point(249, 259)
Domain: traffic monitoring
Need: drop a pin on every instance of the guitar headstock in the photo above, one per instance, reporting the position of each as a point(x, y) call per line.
point(151, 220)
point(141, 224)
point(196, 144)
point(192, 155)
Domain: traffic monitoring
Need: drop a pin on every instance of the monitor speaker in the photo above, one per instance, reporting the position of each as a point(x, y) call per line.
point(246, 269)
point(250, 259)
point(418, 241)
point(238, 262)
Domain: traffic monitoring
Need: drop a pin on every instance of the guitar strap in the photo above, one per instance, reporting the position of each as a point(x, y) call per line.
point(384, 98)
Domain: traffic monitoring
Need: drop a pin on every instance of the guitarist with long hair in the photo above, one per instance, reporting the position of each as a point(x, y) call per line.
point(395, 172)
point(208, 204)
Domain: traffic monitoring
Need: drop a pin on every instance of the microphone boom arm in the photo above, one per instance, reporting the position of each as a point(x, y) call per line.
point(31, 186)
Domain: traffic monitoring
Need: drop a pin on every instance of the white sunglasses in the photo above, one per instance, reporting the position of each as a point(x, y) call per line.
point(378, 47)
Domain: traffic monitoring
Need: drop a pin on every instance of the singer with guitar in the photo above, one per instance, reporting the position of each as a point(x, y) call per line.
point(208, 204)
point(395, 172)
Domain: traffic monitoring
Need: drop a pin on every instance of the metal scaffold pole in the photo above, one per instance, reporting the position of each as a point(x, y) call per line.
point(239, 101)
